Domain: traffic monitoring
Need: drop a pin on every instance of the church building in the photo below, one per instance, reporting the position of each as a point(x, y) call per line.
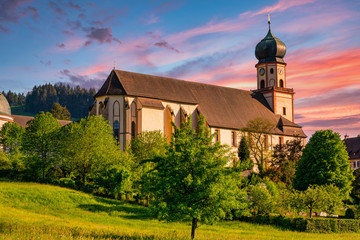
point(134, 102)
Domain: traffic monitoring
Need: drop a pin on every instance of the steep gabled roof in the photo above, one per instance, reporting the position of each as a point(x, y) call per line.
point(223, 107)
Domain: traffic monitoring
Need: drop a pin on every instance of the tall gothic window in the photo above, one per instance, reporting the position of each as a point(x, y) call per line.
point(116, 119)
point(168, 129)
point(133, 119)
point(116, 129)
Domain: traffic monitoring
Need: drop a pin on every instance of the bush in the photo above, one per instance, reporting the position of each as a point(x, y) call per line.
point(349, 214)
point(322, 225)
point(314, 225)
point(294, 224)
point(67, 182)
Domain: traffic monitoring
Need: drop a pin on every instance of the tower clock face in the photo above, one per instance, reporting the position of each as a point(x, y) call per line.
point(281, 71)
point(262, 71)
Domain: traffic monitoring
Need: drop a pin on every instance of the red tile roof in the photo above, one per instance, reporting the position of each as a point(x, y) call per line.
point(22, 120)
point(223, 107)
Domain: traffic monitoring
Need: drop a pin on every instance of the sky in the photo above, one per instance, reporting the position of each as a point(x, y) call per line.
point(208, 41)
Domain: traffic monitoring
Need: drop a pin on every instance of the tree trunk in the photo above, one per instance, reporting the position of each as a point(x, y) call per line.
point(193, 227)
point(311, 212)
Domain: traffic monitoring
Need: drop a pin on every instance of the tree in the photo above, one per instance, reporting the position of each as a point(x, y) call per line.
point(11, 135)
point(257, 131)
point(40, 144)
point(324, 161)
point(327, 198)
point(355, 192)
point(285, 159)
point(91, 150)
point(245, 162)
point(60, 112)
point(263, 197)
point(144, 146)
point(191, 180)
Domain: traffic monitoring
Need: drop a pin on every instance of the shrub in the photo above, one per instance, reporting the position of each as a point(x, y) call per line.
point(322, 225)
point(314, 225)
point(67, 182)
point(349, 214)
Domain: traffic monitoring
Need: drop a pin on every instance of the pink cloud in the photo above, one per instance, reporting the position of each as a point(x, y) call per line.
point(283, 5)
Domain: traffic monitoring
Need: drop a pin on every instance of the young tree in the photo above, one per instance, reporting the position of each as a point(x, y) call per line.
point(146, 145)
point(263, 197)
point(355, 192)
point(191, 181)
point(257, 131)
point(40, 143)
point(324, 161)
point(285, 159)
point(90, 149)
point(245, 162)
point(60, 112)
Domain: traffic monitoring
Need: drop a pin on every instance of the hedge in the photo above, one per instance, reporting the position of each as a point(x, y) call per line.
point(325, 225)
point(314, 225)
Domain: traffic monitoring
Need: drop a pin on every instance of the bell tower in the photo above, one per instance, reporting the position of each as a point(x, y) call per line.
point(271, 75)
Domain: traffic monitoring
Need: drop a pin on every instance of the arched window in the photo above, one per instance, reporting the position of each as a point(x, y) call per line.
point(133, 119)
point(116, 129)
point(168, 129)
point(281, 83)
point(116, 119)
point(262, 84)
point(271, 70)
point(133, 126)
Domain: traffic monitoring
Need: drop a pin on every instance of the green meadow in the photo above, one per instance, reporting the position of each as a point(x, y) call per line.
point(39, 211)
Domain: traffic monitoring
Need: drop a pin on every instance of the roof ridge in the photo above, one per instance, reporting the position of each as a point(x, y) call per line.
point(175, 79)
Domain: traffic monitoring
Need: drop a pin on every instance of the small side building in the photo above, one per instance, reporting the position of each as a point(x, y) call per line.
point(353, 149)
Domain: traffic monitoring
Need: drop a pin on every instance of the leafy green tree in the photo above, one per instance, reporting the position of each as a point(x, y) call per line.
point(245, 162)
point(324, 161)
point(326, 198)
point(11, 136)
point(91, 150)
point(5, 163)
point(191, 180)
point(40, 144)
point(285, 159)
point(333, 199)
point(144, 146)
point(263, 197)
point(257, 131)
point(355, 192)
point(60, 112)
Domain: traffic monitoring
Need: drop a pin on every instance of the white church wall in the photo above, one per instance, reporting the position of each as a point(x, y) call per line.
point(153, 119)
point(284, 100)
point(189, 109)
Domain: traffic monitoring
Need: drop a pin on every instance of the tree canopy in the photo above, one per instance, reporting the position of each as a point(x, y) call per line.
point(191, 181)
point(40, 144)
point(60, 112)
point(257, 131)
point(324, 161)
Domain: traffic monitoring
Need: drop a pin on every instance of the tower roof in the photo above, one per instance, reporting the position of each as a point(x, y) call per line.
point(270, 49)
point(4, 106)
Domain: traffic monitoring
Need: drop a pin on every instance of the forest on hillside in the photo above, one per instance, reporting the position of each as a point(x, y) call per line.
point(77, 100)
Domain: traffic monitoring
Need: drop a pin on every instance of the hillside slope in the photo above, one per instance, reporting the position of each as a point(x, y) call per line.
point(39, 211)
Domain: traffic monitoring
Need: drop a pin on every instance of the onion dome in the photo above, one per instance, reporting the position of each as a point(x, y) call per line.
point(4, 106)
point(270, 49)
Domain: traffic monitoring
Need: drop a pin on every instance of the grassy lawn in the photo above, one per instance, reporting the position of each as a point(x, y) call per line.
point(37, 211)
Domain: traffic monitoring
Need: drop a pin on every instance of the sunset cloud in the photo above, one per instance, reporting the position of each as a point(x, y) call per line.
point(11, 11)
